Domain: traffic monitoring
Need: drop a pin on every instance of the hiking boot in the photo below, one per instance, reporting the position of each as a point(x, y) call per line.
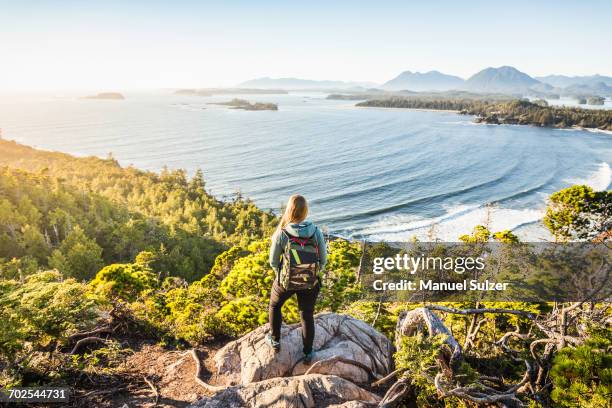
point(273, 343)
point(308, 357)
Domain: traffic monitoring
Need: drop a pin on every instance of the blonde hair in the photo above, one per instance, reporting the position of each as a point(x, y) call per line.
point(295, 212)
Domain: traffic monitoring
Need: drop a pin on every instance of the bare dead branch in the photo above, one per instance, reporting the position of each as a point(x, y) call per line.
point(86, 341)
point(472, 333)
point(396, 393)
point(153, 388)
point(198, 374)
point(535, 343)
point(377, 311)
point(94, 332)
point(409, 323)
point(102, 392)
point(386, 378)
point(441, 308)
point(475, 394)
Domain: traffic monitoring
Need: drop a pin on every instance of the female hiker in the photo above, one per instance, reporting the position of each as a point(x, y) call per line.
point(298, 256)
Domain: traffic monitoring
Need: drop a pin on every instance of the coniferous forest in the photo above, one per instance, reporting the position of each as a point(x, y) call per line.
point(513, 112)
point(98, 260)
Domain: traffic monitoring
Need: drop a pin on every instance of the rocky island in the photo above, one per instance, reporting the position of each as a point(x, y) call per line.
point(246, 105)
point(596, 100)
point(106, 95)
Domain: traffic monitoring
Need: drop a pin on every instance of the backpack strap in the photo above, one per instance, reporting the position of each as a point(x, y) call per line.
point(317, 244)
point(291, 238)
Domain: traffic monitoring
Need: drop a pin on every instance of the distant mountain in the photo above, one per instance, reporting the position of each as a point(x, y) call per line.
point(298, 83)
point(427, 81)
point(543, 87)
point(502, 80)
point(591, 89)
point(562, 81)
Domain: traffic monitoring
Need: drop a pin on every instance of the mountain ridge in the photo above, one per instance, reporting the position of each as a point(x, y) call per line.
point(299, 83)
point(506, 79)
point(503, 79)
point(426, 81)
point(563, 81)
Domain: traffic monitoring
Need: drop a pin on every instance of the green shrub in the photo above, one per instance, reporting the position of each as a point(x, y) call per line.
point(77, 256)
point(368, 311)
point(582, 376)
point(250, 275)
point(579, 212)
point(419, 355)
point(42, 309)
point(243, 314)
point(123, 281)
point(340, 286)
point(191, 311)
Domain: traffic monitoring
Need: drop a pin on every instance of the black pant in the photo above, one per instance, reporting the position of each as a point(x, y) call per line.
point(306, 303)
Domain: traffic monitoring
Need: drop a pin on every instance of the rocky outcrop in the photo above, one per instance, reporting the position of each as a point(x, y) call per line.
point(349, 353)
point(307, 391)
point(346, 347)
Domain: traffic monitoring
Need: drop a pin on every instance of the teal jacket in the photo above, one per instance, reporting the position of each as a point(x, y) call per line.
point(303, 230)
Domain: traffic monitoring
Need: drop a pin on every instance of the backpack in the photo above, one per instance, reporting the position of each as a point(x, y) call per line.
point(300, 262)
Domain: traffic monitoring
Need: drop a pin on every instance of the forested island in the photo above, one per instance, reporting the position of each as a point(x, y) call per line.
point(514, 112)
point(348, 97)
point(125, 284)
point(246, 105)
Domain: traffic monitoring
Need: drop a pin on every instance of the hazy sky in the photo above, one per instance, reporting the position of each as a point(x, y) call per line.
point(114, 45)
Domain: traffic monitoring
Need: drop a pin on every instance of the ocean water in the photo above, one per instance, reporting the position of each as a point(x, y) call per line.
point(572, 102)
point(383, 174)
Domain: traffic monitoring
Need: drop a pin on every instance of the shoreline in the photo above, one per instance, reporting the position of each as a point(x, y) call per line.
point(412, 109)
point(458, 112)
point(592, 130)
point(572, 128)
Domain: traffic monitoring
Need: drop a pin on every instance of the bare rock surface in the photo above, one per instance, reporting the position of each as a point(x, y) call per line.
point(354, 404)
point(345, 347)
point(305, 391)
